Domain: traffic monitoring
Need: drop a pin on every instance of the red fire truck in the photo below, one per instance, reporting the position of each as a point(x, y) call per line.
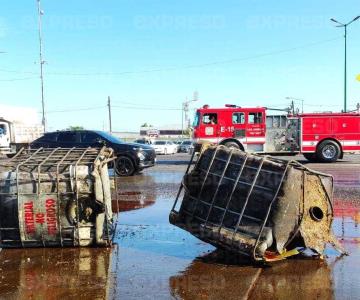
point(323, 137)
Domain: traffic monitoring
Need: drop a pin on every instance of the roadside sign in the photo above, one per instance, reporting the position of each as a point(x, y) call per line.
point(152, 133)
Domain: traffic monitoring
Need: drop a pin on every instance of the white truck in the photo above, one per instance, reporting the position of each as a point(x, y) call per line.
point(18, 128)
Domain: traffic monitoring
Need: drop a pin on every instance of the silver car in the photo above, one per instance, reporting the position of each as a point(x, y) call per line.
point(186, 146)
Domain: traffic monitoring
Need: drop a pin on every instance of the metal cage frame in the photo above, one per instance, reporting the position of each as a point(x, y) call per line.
point(241, 215)
point(56, 161)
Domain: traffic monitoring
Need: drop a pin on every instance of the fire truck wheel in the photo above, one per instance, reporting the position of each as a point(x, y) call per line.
point(328, 151)
point(232, 145)
point(124, 166)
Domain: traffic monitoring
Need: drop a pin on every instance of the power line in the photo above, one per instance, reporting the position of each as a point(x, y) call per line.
point(321, 105)
point(145, 108)
point(194, 66)
point(112, 106)
point(141, 105)
point(17, 72)
point(75, 109)
point(19, 79)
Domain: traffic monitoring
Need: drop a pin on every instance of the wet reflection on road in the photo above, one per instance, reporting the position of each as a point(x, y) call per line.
point(55, 273)
point(213, 278)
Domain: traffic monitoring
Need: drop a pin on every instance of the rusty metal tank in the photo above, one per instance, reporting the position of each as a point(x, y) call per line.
point(257, 206)
point(56, 197)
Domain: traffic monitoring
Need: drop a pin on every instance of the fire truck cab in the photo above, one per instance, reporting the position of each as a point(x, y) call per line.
point(321, 137)
point(233, 126)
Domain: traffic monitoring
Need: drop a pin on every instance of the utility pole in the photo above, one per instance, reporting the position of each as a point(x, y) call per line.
point(345, 66)
point(109, 108)
point(345, 71)
point(185, 110)
point(297, 99)
point(182, 118)
point(40, 13)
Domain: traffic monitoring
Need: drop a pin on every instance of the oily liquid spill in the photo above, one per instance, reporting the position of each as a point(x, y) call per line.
point(127, 201)
point(55, 273)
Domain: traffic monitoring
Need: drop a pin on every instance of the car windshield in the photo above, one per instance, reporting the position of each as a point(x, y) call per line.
point(160, 143)
point(109, 137)
point(186, 142)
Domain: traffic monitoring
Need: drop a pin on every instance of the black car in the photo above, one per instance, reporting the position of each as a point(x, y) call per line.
point(131, 157)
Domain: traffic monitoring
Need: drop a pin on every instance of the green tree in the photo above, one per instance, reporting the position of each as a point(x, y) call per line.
point(146, 125)
point(76, 127)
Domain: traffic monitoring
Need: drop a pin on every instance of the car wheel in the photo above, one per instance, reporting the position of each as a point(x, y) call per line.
point(124, 166)
point(328, 151)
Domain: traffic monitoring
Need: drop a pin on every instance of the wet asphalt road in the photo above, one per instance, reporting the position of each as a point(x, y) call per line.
point(155, 260)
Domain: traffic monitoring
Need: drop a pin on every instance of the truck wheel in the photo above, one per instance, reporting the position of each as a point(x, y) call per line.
point(310, 157)
point(328, 151)
point(124, 166)
point(232, 145)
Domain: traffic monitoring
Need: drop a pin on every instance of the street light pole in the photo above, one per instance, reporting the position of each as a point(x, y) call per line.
point(40, 13)
point(345, 61)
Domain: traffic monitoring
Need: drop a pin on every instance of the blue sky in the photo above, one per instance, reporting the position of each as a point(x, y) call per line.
point(152, 54)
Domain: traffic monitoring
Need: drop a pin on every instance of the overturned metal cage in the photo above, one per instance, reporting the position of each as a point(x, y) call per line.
point(56, 197)
point(254, 205)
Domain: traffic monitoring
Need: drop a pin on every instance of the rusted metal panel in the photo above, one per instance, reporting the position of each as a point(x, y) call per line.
point(56, 197)
point(254, 205)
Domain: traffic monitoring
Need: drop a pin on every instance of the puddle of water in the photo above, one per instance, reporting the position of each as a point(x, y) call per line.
point(55, 273)
point(132, 200)
point(208, 277)
point(148, 229)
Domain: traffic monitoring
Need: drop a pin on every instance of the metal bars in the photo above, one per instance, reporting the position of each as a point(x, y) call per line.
point(53, 168)
point(247, 167)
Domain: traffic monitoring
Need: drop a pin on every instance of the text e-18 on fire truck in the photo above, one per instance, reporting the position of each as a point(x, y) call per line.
point(323, 137)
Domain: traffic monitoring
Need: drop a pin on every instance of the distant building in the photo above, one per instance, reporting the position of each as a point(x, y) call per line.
point(126, 135)
point(173, 131)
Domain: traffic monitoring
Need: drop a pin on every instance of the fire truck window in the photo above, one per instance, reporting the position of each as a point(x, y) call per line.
point(255, 118)
point(209, 119)
point(238, 118)
point(196, 120)
point(2, 129)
